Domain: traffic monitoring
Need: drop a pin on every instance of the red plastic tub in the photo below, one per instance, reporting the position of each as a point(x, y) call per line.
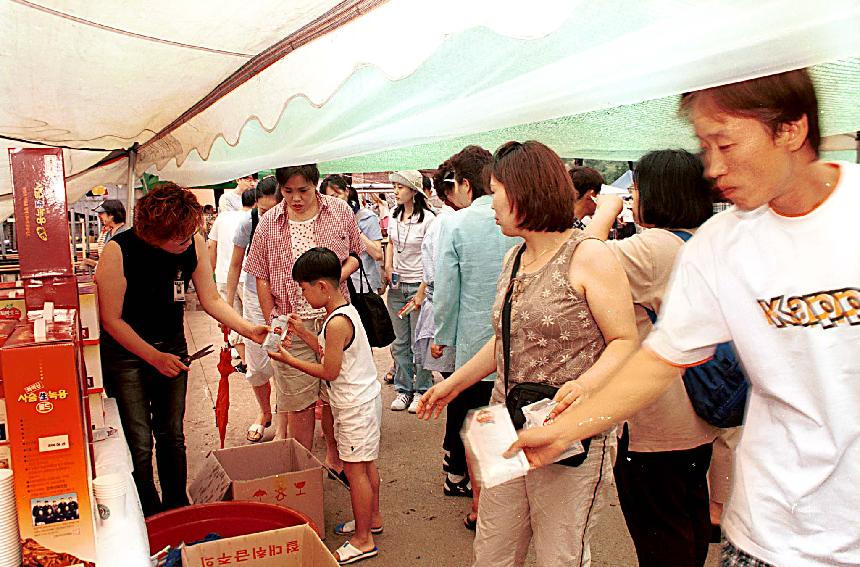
point(227, 519)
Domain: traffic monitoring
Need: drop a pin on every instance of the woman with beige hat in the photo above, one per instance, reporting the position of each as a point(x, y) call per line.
point(404, 272)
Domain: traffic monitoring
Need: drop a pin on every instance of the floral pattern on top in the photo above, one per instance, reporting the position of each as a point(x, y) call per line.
point(554, 337)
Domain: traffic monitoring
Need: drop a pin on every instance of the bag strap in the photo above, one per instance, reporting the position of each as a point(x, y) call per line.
point(506, 315)
point(682, 234)
point(255, 219)
point(685, 236)
point(362, 275)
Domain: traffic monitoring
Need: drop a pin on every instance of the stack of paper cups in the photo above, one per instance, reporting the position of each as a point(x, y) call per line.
point(10, 537)
point(109, 491)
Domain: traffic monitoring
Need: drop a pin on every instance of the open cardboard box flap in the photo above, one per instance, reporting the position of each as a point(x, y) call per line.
point(277, 472)
point(285, 547)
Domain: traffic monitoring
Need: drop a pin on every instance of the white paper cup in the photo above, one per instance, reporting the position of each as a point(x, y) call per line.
point(110, 508)
point(108, 485)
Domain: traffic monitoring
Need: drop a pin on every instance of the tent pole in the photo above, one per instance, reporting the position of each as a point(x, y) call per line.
point(132, 162)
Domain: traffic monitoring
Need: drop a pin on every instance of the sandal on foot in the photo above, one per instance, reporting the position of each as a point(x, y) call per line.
point(470, 522)
point(255, 432)
point(348, 528)
point(348, 553)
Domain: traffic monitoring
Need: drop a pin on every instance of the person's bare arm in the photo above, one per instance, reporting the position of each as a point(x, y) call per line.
point(214, 305)
point(267, 301)
point(476, 369)
point(212, 246)
point(234, 273)
point(608, 209)
point(111, 282)
point(338, 333)
point(349, 266)
point(388, 265)
point(636, 385)
point(374, 247)
point(607, 293)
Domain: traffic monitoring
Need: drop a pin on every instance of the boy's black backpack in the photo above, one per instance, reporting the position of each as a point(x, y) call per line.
point(717, 388)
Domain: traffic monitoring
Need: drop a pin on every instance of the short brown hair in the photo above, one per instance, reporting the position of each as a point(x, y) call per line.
point(167, 212)
point(586, 179)
point(469, 163)
point(773, 100)
point(537, 184)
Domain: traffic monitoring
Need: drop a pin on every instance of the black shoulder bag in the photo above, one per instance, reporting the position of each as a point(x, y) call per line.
point(371, 309)
point(526, 393)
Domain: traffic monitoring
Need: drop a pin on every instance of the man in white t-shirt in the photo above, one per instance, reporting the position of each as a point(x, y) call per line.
point(232, 200)
point(220, 247)
point(779, 274)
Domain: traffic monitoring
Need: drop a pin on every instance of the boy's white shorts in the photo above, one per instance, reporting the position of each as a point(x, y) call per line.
point(356, 430)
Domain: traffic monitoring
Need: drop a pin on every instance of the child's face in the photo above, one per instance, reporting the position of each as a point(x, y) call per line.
point(316, 293)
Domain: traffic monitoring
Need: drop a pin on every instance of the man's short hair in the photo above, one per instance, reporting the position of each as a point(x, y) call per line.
point(317, 264)
point(537, 185)
point(773, 100)
point(586, 179)
point(249, 197)
point(167, 212)
point(469, 163)
point(208, 209)
point(673, 190)
point(309, 171)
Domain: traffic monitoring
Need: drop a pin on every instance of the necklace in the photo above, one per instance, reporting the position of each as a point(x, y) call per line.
point(536, 258)
point(402, 246)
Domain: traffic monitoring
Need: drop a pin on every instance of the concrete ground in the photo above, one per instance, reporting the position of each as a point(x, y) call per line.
point(422, 526)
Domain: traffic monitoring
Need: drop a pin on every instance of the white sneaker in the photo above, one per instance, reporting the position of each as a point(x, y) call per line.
point(413, 407)
point(401, 402)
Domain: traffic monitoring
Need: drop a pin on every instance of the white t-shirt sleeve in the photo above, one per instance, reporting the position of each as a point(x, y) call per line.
point(213, 232)
point(691, 322)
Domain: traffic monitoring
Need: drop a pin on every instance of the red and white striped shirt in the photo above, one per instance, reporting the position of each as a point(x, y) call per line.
point(271, 258)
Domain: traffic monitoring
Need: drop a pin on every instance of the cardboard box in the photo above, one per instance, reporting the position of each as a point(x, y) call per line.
point(12, 304)
point(96, 402)
point(47, 434)
point(89, 309)
point(93, 364)
point(62, 291)
point(277, 472)
point(41, 216)
point(286, 547)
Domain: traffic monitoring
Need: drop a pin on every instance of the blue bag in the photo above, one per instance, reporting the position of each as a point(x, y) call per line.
point(718, 388)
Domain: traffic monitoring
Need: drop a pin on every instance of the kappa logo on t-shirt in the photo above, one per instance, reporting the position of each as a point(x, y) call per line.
point(826, 308)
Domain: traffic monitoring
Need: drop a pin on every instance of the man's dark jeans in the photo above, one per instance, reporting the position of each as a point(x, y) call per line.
point(151, 405)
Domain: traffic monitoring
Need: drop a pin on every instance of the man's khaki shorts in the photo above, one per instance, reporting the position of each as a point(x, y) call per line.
point(294, 389)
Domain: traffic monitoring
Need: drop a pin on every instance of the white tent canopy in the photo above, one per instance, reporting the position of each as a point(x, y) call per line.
point(214, 90)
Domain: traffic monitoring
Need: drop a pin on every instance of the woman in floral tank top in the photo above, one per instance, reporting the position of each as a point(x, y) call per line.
point(572, 326)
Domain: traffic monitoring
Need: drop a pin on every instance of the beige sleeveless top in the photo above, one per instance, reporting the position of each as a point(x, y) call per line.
point(554, 337)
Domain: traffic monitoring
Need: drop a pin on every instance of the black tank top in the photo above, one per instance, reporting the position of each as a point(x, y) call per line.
point(149, 307)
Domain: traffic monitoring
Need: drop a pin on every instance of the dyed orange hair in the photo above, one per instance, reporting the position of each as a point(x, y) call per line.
point(167, 212)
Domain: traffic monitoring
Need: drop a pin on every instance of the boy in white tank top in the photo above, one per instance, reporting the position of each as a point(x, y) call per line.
point(347, 368)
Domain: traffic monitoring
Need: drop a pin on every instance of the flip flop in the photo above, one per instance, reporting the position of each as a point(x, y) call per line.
point(348, 528)
point(255, 432)
point(348, 553)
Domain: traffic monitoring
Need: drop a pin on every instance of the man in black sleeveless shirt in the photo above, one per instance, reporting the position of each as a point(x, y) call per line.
point(142, 277)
